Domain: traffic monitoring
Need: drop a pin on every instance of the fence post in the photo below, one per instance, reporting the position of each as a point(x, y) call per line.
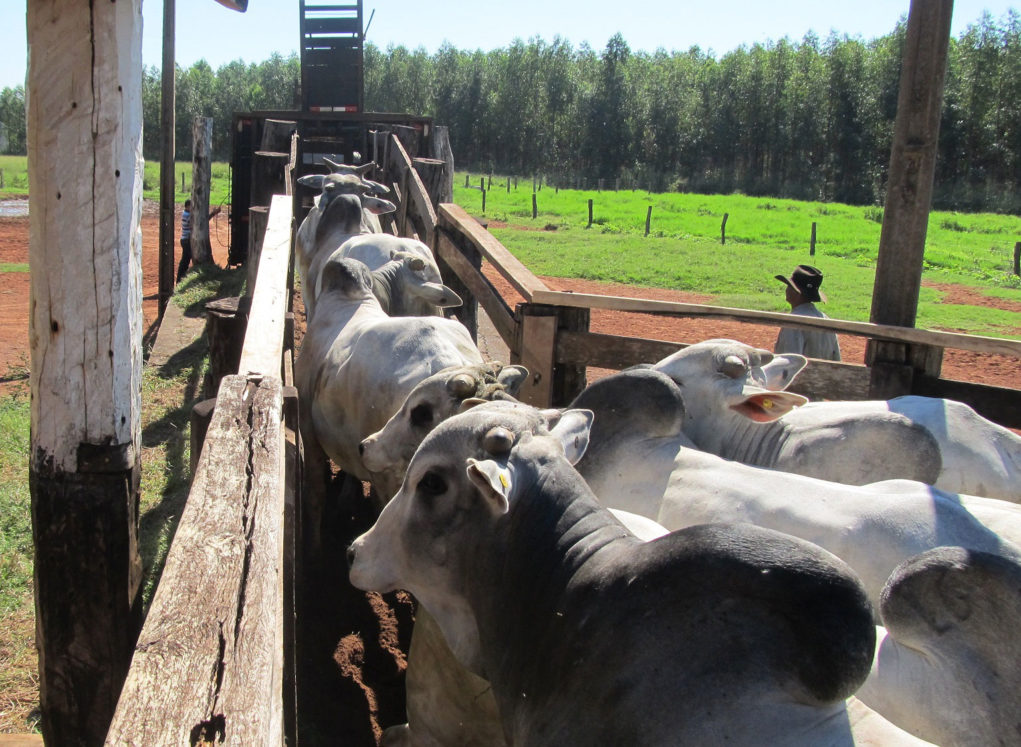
point(723, 229)
point(648, 220)
point(811, 249)
point(483, 200)
point(466, 180)
point(508, 184)
point(589, 212)
point(1, 178)
point(489, 184)
point(182, 182)
point(1017, 258)
point(535, 207)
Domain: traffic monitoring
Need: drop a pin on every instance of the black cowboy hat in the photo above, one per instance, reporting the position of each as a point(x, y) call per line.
point(805, 280)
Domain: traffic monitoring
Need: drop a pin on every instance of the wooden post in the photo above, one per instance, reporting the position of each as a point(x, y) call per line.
point(490, 182)
point(589, 212)
point(723, 228)
point(535, 207)
point(1017, 258)
point(648, 220)
point(811, 249)
point(442, 151)
point(433, 174)
point(410, 138)
point(909, 190)
point(183, 187)
point(258, 215)
point(508, 185)
point(483, 200)
point(466, 178)
point(226, 323)
point(84, 128)
point(201, 168)
point(549, 384)
point(167, 269)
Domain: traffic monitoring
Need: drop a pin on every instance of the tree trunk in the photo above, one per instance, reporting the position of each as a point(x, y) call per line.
point(84, 143)
point(201, 164)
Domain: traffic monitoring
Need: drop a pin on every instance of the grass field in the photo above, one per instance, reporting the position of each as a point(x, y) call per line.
point(764, 237)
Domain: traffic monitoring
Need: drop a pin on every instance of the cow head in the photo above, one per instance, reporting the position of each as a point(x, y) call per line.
point(720, 375)
point(432, 401)
point(345, 277)
point(461, 482)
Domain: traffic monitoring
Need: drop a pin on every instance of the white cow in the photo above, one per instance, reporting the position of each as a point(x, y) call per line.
point(948, 663)
point(387, 453)
point(337, 216)
point(732, 412)
point(376, 250)
point(357, 364)
point(641, 460)
point(587, 635)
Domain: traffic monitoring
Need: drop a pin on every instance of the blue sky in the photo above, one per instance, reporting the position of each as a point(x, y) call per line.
point(208, 30)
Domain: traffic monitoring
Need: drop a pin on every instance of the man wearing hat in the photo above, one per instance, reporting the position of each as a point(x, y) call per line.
point(802, 293)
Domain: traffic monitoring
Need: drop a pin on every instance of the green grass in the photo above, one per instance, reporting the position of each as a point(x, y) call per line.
point(15, 170)
point(15, 513)
point(13, 266)
point(764, 237)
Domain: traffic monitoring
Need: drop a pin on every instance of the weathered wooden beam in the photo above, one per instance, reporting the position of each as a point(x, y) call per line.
point(201, 176)
point(478, 287)
point(456, 219)
point(84, 127)
point(440, 149)
point(909, 188)
point(976, 343)
point(415, 203)
point(264, 340)
point(209, 662)
point(167, 268)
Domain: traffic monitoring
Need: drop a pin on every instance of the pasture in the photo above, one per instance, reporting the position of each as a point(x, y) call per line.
point(764, 237)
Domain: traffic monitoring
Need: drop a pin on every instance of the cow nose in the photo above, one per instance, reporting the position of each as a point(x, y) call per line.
point(350, 556)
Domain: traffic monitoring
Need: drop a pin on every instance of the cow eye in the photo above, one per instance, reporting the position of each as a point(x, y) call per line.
point(432, 484)
point(421, 415)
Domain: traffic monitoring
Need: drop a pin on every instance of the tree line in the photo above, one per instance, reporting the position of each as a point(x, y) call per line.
point(808, 119)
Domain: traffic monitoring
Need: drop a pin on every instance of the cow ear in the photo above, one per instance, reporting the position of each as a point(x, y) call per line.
point(573, 429)
point(493, 481)
point(780, 372)
point(512, 377)
point(378, 206)
point(313, 181)
point(765, 407)
point(470, 403)
point(437, 294)
point(376, 188)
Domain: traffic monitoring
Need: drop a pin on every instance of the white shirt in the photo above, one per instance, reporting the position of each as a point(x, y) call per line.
point(812, 343)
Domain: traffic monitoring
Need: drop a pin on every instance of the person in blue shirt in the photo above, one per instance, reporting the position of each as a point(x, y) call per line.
point(182, 268)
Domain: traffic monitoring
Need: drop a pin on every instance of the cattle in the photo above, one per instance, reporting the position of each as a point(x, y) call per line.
point(947, 666)
point(386, 453)
point(640, 459)
point(412, 298)
point(736, 408)
point(446, 703)
point(357, 364)
point(336, 218)
point(589, 636)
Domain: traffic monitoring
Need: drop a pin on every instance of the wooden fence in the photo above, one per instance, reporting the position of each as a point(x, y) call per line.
point(215, 658)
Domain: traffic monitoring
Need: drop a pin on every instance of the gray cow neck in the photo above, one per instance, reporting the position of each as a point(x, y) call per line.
point(571, 608)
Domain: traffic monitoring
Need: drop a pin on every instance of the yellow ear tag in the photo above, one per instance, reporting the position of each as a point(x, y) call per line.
point(767, 404)
point(504, 481)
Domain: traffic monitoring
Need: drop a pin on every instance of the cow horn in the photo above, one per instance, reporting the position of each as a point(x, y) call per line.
point(470, 403)
point(498, 441)
point(733, 367)
point(461, 385)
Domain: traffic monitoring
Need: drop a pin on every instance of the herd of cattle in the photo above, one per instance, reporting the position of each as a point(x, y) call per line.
point(687, 554)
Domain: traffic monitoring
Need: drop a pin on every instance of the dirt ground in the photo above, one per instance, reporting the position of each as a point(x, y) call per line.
point(352, 645)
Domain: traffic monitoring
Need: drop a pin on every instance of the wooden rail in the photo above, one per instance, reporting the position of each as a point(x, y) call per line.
point(211, 661)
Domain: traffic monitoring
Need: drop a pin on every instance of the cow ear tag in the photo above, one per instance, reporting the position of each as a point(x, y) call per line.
point(492, 480)
point(573, 432)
